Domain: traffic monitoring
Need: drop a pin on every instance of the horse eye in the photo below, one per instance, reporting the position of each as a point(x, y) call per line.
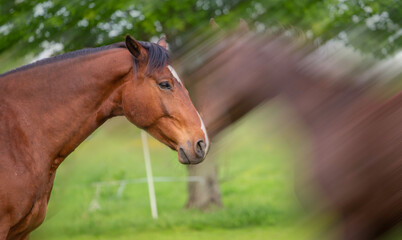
point(165, 85)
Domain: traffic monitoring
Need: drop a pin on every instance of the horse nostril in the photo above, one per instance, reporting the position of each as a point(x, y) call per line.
point(200, 148)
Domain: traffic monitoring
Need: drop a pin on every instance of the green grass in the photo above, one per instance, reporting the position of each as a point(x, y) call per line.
point(256, 173)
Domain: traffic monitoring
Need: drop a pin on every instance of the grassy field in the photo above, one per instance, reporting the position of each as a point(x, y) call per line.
point(256, 173)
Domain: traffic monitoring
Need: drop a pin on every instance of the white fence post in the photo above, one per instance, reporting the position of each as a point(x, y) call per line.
point(150, 180)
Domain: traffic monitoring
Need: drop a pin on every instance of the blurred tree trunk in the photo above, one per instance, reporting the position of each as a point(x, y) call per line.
point(205, 194)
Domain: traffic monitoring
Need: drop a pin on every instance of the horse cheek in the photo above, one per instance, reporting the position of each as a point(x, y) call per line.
point(136, 109)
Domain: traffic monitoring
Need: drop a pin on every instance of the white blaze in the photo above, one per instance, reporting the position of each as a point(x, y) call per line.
point(205, 133)
point(204, 130)
point(174, 73)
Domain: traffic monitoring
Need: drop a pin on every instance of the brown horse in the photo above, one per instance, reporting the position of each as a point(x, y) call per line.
point(48, 108)
point(356, 162)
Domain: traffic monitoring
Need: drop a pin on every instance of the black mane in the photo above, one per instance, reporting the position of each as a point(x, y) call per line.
point(158, 57)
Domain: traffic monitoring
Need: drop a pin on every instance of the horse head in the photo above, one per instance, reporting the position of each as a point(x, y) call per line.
point(156, 100)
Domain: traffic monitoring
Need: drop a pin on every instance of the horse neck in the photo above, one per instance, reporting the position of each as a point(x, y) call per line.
point(67, 100)
point(317, 99)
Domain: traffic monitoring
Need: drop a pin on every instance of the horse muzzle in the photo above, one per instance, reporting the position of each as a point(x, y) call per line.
point(192, 153)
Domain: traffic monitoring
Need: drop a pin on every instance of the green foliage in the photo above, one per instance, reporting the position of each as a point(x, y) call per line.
point(372, 26)
point(369, 25)
point(87, 23)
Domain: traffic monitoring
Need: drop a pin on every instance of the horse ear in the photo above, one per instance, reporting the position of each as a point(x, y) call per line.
point(162, 42)
point(134, 47)
point(243, 26)
point(213, 24)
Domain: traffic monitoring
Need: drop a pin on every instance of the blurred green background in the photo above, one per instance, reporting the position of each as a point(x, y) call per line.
point(256, 176)
point(256, 160)
point(256, 163)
